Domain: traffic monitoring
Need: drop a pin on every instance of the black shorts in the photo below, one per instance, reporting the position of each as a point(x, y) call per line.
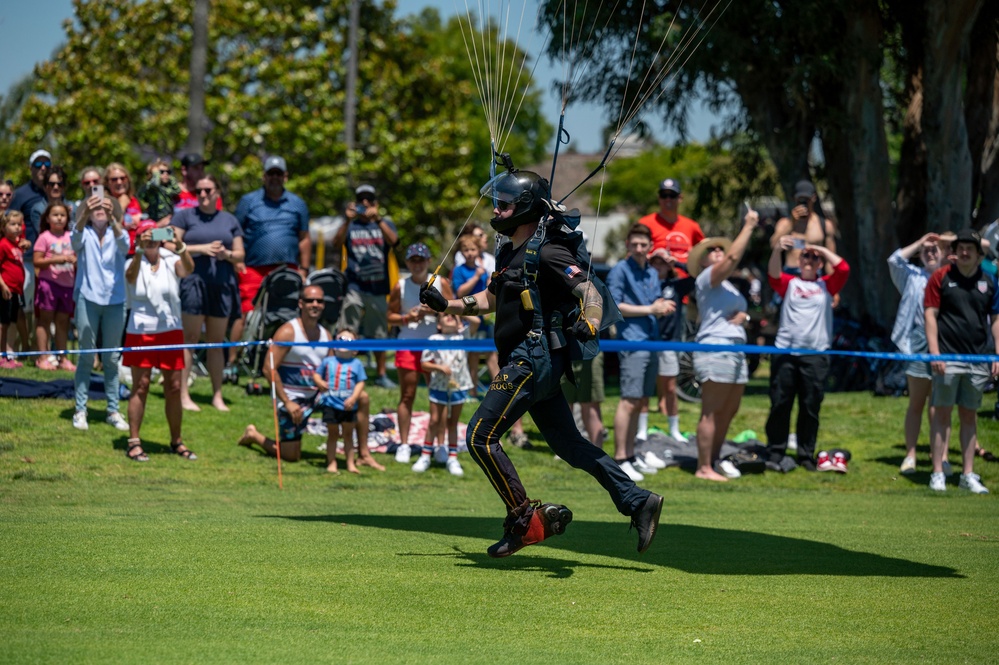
point(9, 309)
point(332, 416)
point(205, 297)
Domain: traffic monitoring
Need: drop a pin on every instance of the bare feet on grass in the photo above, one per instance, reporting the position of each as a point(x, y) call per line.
point(353, 468)
point(219, 403)
point(370, 461)
point(710, 474)
point(332, 468)
point(249, 436)
point(190, 406)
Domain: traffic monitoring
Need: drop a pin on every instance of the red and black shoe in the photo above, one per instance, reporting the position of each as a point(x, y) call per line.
point(543, 520)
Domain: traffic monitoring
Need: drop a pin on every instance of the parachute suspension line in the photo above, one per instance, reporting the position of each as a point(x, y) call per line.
point(436, 272)
point(603, 162)
point(631, 66)
point(510, 117)
point(686, 49)
point(641, 97)
point(479, 71)
point(593, 240)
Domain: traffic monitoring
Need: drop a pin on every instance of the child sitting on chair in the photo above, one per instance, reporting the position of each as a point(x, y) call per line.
point(340, 378)
point(450, 382)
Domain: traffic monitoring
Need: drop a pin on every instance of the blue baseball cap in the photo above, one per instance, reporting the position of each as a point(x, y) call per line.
point(418, 249)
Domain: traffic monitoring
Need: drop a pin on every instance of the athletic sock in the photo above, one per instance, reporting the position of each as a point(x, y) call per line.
point(674, 423)
point(428, 448)
point(452, 451)
point(643, 426)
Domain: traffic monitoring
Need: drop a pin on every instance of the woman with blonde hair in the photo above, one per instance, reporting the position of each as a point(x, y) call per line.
point(118, 184)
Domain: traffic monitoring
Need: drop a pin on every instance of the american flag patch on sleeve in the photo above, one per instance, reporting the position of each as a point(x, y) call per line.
point(572, 271)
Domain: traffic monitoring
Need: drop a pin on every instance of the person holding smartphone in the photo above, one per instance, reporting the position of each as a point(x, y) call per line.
point(806, 226)
point(153, 281)
point(210, 294)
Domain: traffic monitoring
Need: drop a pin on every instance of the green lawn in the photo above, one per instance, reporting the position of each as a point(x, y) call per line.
point(172, 561)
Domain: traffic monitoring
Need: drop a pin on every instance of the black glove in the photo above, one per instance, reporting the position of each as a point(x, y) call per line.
point(432, 298)
point(583, 331)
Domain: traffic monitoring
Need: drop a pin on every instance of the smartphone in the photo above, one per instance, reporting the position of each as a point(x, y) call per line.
point(361, 208)
point(164, 234)
point(798, 243)
point(97, 190)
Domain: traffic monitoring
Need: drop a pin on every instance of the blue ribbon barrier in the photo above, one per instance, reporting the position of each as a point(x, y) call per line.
point(488, 345)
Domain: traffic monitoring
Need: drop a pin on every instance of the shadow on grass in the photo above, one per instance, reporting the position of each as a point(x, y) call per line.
point(693, 549)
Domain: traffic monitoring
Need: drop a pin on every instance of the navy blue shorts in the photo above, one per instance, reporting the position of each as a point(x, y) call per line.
point(202, 297)
point(9, 309)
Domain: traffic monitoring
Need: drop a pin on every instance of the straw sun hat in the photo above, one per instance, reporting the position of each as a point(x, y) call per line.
point(698, 251)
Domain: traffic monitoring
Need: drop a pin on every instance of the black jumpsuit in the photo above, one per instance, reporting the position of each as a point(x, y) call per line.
point(513, 393)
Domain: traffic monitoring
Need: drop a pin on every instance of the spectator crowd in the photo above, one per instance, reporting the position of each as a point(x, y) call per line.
point(162, 262)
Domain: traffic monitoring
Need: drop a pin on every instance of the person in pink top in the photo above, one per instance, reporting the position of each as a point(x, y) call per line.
point(55, 263)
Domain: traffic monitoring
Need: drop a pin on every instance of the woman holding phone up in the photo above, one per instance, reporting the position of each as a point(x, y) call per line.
point(153, 277)
point(210, 295)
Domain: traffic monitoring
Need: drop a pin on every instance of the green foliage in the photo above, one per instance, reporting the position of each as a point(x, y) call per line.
point(118, 91)
point(716, 177)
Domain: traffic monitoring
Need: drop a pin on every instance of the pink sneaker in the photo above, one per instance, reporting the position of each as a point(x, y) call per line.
point(44, 364)
point(7, 363)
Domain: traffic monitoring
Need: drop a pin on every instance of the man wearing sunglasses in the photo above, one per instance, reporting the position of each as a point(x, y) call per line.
point(30, 193)
point(293, 384)
point(671, 230)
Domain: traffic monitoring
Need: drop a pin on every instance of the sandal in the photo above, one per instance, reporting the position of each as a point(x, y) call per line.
point(186, 453)
point(985, 455)
point(141, 456)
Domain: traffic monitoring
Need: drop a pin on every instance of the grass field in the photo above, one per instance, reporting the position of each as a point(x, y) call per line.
point(171, 561)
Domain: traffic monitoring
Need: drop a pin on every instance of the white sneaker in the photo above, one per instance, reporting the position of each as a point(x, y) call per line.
point(629, 470)
point(643, 467)
point(441, 454)
point(80, 420)
point(117, 421)
point(422, 464)
point(908, 466)
point(938, 482)
point(947, 469)
point(678, 437)
point(727, 469)
point(654, 460)
point(454, 467)
point(402, 454)
point(973, 483)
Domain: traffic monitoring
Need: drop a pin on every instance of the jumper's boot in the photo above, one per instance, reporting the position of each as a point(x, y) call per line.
point(529, 524)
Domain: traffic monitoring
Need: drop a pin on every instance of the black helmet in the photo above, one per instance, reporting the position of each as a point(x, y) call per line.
point(528, 192)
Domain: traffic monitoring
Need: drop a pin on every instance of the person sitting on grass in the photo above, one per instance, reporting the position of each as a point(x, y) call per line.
point(341, 378)
point(450, 382)
point(293, 384)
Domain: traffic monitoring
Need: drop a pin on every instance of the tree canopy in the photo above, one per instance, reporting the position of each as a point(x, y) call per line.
point(903, 113)
point(275, 84)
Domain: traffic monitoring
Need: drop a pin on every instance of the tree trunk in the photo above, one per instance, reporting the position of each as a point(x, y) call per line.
point(196, 123)
point(786, 136)
point(981, 103)
point(856, 151)
point(945, 134)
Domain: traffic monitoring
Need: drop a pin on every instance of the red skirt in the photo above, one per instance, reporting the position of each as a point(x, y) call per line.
point(162, 359)
point(408, 360)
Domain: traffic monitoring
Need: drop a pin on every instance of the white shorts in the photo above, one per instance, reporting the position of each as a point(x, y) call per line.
point(669, 364)
point(721, 367)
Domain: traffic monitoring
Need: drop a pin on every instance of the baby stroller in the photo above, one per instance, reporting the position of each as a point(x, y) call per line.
point(275, 304)
point(334, 286)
